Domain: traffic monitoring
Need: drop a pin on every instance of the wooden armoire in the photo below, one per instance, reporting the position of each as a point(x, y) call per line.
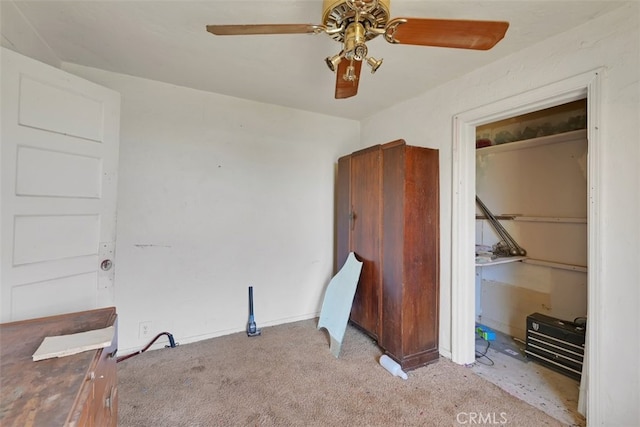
point(388, 214)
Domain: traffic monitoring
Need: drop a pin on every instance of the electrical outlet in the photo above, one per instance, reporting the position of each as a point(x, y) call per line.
point(145, 330)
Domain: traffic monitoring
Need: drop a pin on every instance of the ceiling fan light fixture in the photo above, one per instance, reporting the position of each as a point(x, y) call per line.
point(352, 23)
point(363, 6)
point(333, 61)
point(374, 64)
point(374, 14)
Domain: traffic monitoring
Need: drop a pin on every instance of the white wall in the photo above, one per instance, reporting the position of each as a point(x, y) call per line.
point(611, 41)
point(216, 194)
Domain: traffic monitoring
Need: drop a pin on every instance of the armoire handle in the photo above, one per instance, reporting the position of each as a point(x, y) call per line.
point(352, 219)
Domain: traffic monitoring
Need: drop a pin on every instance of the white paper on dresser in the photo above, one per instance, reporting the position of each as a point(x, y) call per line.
point(66, 345)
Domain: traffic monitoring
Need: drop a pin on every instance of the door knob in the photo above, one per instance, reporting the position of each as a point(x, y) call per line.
point(106, 265)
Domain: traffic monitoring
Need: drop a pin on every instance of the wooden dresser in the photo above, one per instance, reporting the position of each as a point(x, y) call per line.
point(388, 214)
point(77, 390)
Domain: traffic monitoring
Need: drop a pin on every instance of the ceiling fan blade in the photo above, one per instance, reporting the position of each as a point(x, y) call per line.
point(241, 30)
point(455, 33)
point(346, 88)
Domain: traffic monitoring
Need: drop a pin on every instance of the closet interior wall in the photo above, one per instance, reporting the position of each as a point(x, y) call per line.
point(538, 186)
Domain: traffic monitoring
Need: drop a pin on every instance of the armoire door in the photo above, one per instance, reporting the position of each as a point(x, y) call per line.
point(365, 240)
point(409, 313)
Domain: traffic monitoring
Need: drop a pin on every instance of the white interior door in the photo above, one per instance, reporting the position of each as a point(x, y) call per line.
point(58, 180)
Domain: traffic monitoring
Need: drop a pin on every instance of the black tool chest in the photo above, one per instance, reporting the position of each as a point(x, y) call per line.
point(556, 343)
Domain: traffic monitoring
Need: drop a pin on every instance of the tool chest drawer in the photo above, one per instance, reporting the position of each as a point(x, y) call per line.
point(556, 343)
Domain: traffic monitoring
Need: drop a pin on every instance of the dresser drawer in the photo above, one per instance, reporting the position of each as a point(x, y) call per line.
point(105, 386)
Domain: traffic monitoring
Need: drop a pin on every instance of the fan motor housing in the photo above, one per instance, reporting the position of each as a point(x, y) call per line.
point(337, 13)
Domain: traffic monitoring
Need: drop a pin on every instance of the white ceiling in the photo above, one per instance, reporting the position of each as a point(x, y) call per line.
point(167, 41)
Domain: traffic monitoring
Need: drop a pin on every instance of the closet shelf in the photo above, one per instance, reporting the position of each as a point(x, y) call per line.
point(559, 265)
point(523, 218)
point(501, 260)
point(579, 134)
point(533, 261)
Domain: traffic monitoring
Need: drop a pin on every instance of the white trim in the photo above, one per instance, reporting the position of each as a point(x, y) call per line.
point(594, 259)
point(463, 214)
point(445, 353)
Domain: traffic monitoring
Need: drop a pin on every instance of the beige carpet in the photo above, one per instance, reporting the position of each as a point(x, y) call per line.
point(288, 377)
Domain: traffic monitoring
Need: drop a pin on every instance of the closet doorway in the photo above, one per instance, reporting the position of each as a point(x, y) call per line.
point(531, 174)
point(583, 86)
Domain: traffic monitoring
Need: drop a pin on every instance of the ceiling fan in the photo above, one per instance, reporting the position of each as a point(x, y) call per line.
point(354, 22)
